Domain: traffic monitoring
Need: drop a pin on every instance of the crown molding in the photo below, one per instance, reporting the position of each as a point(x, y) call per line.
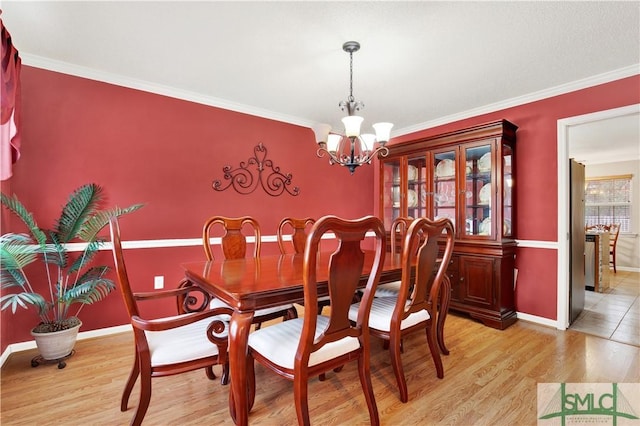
point(525, 99)
point(158, 89)
point(119, 80)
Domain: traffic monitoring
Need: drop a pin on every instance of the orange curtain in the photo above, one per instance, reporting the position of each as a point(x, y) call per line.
point(10, 102)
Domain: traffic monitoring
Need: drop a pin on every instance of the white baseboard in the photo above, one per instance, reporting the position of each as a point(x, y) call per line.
point(537, 320)
point(24, 346)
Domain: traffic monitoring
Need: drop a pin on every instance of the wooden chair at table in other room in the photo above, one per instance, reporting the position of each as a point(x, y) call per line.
point(416, 306)
point(614, 231)
point(398, 230)
point(172, 345)
point(234, 246)
point(298, 237)
point(301, 348)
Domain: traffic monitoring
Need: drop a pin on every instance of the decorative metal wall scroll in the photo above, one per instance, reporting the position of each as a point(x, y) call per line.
point(257, 171)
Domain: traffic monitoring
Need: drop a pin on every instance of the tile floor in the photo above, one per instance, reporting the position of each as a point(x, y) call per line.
point(615, 313)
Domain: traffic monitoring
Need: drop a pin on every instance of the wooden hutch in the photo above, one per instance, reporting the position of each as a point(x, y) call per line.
point(467, 176)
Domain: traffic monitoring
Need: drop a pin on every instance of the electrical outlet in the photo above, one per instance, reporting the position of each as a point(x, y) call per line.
point(158, 282)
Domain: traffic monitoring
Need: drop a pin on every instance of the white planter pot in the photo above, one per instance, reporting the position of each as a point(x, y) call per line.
point(58, 344)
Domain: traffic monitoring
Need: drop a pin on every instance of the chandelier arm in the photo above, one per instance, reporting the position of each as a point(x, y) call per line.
point(381, 151)
point(332, 157)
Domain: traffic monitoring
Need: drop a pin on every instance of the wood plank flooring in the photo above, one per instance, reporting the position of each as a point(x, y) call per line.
point(490, 379)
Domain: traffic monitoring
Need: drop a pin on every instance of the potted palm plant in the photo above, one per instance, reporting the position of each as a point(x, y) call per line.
point(72, 279)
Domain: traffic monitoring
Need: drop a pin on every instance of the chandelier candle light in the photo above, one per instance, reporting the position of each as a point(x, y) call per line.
point(353, 149)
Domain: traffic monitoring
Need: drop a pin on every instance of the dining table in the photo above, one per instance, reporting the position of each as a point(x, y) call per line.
point(253, 283)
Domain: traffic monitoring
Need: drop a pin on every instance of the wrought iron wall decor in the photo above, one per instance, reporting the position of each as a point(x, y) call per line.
point(256, 171)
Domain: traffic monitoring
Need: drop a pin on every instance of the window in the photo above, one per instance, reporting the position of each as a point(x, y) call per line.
point(608, 200)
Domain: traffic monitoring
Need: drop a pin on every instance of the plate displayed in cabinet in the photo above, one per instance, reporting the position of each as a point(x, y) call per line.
point(441, 199)
point(445, 168)
point(485, 227)
point(412, 172)
point(484, 163)
point(412, 198)
point(485, 194)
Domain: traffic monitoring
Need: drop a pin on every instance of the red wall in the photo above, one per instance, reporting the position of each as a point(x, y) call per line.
point(166, 152)
point(163, 152)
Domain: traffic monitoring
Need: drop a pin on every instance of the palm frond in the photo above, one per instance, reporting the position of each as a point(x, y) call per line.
point(12, 278)
point(85, 257)
point(100, 219)
point(90, 291)
point(23, 299)
point(17, 251)
point(57, 252)
point(82, 204)
point(17, 208)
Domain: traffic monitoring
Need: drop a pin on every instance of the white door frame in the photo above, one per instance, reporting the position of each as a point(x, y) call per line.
point(562, 320)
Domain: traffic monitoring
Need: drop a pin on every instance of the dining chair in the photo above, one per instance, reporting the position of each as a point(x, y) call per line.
point(234, 246)
point(416, 305)
point(297, 233)
point(399, 228)
point(614, 231)
point(305, 347)
point(171, 345)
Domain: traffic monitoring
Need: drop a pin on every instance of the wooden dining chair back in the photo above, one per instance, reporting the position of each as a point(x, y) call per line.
point(298, 233)
point(234, 246)
point(416, 306)
point(306, 347)
point(298, 237)
point(233, 240)
point(172, 345)
point(614, 231)
point(397, 232)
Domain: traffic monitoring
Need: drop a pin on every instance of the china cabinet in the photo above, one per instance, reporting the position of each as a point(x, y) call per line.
point(467, 176)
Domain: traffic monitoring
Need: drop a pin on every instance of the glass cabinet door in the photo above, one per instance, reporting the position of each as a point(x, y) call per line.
point(507, 189)
point(444, 186)
point(416, 187)
point(478, 191)
point(392, 198)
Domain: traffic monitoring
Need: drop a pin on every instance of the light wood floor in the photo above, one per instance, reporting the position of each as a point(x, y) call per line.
point(490, 379)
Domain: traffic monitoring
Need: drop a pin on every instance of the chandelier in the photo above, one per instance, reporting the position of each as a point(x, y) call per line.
point(352, 149)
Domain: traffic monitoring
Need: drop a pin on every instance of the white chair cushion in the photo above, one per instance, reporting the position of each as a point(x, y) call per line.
point(216, 303)
point(388, 289)
point(279, 343)
point(381, 312)
point(182, 344)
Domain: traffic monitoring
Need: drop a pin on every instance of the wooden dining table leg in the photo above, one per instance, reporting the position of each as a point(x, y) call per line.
point(238, 347)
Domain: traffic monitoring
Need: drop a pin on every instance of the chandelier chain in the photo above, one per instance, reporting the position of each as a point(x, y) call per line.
point(351, 98)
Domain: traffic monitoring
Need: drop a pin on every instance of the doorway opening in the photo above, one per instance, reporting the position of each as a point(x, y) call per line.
point(564, 126)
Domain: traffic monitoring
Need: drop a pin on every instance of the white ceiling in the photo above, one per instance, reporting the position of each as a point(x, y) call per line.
point(421, 63)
